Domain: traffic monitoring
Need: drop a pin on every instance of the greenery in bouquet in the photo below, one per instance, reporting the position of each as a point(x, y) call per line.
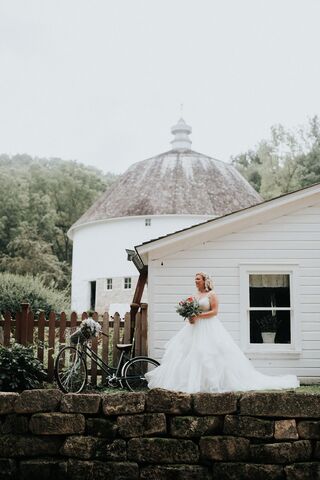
point(188, 308)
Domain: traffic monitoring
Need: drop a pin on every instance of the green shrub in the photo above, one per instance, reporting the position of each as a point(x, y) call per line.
point(19, 369)
point(15, 289)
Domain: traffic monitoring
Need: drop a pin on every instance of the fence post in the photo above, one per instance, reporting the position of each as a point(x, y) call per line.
point(23, 319)
point(105, 343)
point(137, 334)
point(52, 335)
point(41, 325)
point(30, 327)
point(144, 329)
point(127, 328)
point(116, 339)
point(7, 329)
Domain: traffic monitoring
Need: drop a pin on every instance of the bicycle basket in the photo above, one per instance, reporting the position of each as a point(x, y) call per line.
point(89, 329)
point(78, 337)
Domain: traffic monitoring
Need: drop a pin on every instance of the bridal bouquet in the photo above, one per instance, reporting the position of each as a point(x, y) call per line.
point(88, 328)
point(188, 308)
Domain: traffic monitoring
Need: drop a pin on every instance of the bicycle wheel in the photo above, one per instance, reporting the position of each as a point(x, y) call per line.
point(133, 373)
point(70, 370)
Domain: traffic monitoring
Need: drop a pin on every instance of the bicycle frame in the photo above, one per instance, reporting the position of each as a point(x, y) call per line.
point(111, 372)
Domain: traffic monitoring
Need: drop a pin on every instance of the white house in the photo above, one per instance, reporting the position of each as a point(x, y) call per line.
point(265, 262)
point(153, 197)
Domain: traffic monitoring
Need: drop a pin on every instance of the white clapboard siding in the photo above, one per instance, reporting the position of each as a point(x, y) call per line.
point(310, 281)
point(290, 239)
point(311, 354)
point(185, 290)
point(174, 298)
point(186, 282)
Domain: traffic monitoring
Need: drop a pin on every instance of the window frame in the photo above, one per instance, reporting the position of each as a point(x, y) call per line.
point(107, 286)
point(147, 222)
point(124, 283)
point(270, 350)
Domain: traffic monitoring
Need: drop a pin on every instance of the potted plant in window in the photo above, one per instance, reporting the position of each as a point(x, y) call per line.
point(269, 325)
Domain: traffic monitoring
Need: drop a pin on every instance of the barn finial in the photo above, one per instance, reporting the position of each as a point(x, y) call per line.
point(181, 132)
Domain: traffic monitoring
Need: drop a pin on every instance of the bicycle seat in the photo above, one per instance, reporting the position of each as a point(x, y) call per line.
point(124, 346)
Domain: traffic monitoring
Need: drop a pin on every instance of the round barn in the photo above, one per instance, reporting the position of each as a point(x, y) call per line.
point(154, 197)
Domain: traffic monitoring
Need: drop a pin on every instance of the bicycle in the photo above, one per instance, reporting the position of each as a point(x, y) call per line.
point(71, 371)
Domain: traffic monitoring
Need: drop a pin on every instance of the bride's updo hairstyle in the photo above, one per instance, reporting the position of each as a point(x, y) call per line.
point(208, 283)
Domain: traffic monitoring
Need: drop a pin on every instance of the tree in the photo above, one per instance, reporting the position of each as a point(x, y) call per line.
point(29, 254)
point(289, 160)
point(17, 288)
point(39, 201)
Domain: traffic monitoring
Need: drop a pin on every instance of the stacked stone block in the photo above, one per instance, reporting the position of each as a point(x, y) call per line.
point(159, 435)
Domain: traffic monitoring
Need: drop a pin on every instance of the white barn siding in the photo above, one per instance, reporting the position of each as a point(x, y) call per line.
point(99, 251)
point(292, 238)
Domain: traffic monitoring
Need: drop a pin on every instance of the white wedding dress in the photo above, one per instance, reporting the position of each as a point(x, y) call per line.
point(203, 357)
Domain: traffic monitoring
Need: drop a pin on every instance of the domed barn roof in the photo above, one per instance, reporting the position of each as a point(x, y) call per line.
point(180, 181)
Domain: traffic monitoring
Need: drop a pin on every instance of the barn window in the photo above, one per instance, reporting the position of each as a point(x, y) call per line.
point(269, 309)
point(127, 283)
point(109, 283)
point(93, 288)
point(147, 222)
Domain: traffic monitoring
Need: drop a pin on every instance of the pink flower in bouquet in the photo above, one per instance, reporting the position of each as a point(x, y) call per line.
point(188, 308)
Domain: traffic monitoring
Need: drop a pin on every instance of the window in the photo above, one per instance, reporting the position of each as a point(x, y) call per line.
point(109, 283)
point(127, 283)
point(269, 308)
point(93, 288)
point(147, 222)
point(269, 319)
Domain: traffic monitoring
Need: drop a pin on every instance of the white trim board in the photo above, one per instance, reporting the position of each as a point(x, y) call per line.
point(234, 222)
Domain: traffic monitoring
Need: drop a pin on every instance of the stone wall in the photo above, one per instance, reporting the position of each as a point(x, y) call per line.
point(159, 435)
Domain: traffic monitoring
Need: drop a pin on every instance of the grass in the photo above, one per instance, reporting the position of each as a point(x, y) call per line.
point(309, 389)
point(103, 389)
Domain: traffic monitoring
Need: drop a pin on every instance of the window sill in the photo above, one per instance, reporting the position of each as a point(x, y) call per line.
point(269, 353)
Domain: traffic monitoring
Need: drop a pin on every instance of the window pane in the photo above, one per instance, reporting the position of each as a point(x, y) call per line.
point(264, 321)
point(269, 290)
point(109, 283)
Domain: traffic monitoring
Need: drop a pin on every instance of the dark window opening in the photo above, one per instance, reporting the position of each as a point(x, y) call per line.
point(93, 288)
point(269, 308)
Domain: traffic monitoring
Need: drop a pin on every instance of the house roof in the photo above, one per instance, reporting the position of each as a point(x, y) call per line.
point(234, 221)
point(178, 182)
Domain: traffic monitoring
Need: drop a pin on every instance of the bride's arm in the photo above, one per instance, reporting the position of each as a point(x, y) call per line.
point(214, 306)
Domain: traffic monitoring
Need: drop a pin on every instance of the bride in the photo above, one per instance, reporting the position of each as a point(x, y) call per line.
point(203, 357)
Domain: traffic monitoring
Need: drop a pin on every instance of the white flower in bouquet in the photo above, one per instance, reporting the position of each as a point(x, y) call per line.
point(90, 328)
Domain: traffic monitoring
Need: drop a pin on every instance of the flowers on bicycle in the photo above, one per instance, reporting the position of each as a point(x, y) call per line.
point(90, 328)
point(188, 308)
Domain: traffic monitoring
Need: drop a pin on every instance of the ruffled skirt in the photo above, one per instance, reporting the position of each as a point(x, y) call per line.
point(203, 357)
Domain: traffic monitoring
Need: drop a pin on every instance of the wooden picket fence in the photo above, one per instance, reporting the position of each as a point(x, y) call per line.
point(49, 335)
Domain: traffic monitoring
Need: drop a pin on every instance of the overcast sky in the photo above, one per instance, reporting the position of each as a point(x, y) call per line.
point(101, 81)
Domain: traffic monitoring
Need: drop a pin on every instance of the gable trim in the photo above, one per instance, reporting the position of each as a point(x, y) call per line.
point(230, 223)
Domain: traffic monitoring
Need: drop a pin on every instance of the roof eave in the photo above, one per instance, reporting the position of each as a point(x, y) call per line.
point(228, 224)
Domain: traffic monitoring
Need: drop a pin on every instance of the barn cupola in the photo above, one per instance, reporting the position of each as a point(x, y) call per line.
point(181, 132)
